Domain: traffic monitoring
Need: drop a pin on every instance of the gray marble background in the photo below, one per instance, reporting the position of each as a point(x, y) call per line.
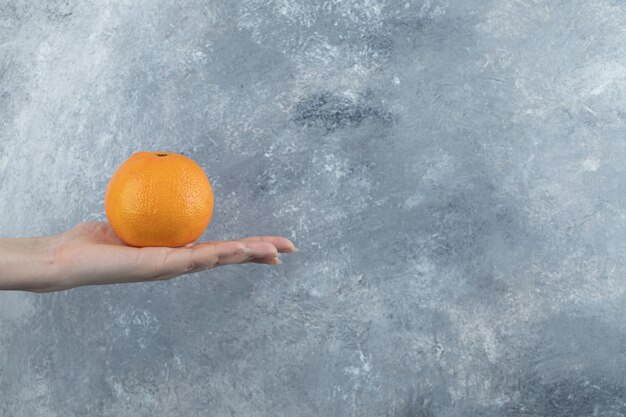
point(453, 172)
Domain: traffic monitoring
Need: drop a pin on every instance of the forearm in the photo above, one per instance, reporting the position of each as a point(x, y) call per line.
point(27, 264)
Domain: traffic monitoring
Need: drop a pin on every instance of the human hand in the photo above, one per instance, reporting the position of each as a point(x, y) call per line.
point(91, 254)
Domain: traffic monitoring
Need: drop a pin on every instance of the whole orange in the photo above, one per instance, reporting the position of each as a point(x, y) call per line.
point(159, 199)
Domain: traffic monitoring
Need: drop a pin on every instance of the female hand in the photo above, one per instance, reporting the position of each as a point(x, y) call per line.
point(91, 254)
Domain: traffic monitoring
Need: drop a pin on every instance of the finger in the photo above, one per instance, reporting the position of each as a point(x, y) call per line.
point(257, 250)
point(282, 244)
point(266, 260)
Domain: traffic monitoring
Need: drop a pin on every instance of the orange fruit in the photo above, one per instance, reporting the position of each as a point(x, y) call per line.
point(159, 199)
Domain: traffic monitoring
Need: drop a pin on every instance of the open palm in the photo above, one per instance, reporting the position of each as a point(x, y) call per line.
point(91, 254)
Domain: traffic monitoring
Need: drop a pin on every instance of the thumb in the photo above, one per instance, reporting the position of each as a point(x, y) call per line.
point(166, 263)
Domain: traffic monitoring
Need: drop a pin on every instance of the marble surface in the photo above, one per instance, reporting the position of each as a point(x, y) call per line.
point(452, 171)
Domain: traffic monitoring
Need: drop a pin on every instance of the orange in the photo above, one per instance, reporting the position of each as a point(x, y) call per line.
point(159, 199)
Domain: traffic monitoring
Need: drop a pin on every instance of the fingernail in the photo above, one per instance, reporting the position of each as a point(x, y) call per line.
point(278, 262)
point(247, 250)
point(295, 249)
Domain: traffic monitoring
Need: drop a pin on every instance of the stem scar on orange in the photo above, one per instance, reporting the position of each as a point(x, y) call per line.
point(158, 199)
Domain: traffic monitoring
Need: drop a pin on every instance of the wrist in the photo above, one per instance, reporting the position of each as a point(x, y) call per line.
point(48, 270)
point(28, 264)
